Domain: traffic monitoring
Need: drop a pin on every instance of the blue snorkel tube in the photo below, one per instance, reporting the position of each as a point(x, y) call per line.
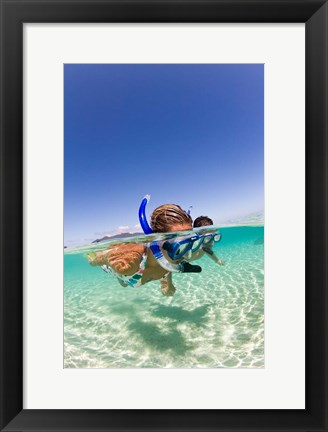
point(142, 215)
point(183, 266)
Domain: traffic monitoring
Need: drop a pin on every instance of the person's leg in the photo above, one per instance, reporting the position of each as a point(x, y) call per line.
point(168, 289)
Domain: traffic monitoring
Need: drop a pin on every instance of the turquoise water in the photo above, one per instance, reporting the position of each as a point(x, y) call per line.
point(214, 320)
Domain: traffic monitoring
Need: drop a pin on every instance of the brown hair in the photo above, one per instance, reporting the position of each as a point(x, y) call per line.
point(124, 258)
point(168, 215)
point(202, 221)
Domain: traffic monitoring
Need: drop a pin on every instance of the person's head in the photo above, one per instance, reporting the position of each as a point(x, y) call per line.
point(202, 221)
point(169, 218)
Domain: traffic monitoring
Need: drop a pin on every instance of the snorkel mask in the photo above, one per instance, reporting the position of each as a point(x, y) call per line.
point(177, 249)
point(183, 266)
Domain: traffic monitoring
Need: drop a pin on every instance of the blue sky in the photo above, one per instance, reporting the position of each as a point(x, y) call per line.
point(185, 134)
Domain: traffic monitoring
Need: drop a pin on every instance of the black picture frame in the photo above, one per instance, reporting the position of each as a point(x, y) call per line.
point(314, 13)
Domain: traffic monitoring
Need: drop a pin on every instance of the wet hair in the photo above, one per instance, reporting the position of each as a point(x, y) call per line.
point(202, 221)
point(166, 216)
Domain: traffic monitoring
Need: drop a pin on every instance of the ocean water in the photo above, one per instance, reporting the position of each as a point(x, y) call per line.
point(214, 320)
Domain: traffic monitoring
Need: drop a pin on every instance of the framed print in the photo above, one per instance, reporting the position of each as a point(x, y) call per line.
point(213, 322)
point(220, 338)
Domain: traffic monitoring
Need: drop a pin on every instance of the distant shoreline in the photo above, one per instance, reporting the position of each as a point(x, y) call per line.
point(131, 236)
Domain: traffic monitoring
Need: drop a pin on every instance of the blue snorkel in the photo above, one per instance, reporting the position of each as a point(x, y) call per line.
point(182, 267)
point(142, 215)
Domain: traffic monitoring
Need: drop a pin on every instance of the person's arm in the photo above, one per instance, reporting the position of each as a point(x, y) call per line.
point(123, 258)
point(168, 289)
point(209, 252)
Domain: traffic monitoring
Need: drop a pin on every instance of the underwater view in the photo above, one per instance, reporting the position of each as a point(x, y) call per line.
point(214, 320)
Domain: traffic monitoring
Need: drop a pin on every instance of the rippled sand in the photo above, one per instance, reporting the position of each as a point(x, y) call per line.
point(215, 319)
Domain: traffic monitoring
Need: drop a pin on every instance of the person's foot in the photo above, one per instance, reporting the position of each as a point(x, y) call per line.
point(91, 257)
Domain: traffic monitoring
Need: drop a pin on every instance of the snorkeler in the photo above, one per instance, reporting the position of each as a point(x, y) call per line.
point(136, 264)
point(208, 242)
point(195, 245)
